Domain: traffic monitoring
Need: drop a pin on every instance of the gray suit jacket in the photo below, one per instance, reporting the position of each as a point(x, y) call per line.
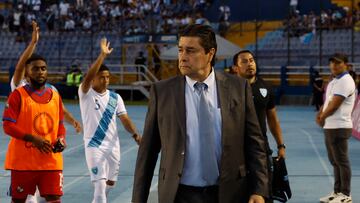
point(243, 169)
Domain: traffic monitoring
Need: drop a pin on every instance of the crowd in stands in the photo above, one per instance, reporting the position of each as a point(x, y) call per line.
point(125, 16)
point(342, 18)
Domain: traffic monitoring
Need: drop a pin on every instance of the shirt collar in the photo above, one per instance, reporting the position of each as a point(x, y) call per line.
point(342, 74)
point(209, 81)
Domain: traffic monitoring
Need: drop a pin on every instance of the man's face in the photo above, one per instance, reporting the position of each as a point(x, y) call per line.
point(337, 67)
point(101, 80)
point(37, 73)
point(193, 61)
point(246, 65)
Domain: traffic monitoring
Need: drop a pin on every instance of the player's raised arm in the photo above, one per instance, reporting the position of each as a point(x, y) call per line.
point(20, 66)
point(105, 51)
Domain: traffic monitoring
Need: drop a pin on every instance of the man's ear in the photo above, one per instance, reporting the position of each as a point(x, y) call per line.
point(211, 54)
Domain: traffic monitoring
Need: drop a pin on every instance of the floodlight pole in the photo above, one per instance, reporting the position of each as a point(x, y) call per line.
point(352, 31)
point(256, 27)
point(320, 36)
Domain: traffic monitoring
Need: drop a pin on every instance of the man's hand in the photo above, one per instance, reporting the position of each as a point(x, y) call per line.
point(256, 199)
point(77, 126)
point(105, 47)
point(59, 145)
point(137, 138)
point(320, 119)
point(281, 153)
point(35, 32)
point(44, 146)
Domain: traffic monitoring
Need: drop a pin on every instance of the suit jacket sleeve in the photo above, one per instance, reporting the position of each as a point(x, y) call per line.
point(256, 151)
point(148, 152)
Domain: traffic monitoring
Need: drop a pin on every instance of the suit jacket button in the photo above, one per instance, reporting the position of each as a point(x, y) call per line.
point(182, 153)
point(179, 174)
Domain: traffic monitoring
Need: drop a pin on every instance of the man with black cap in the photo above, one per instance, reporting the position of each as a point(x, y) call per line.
point(335, 117)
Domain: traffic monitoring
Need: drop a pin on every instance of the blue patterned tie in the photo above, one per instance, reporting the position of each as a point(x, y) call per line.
point(210, 170)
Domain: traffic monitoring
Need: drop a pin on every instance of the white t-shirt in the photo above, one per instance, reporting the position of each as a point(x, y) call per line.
point(100, 128)
point(342, 85)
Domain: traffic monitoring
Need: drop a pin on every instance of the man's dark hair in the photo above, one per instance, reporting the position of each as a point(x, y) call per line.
point(235, 58)
point(103, 67)
point(206, 35)
point(35, 57)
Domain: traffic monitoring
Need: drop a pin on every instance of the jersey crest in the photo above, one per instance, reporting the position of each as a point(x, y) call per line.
point(94, 170)
point(263, 92)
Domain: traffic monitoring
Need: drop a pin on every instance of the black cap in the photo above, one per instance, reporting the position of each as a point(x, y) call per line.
point(339, 57)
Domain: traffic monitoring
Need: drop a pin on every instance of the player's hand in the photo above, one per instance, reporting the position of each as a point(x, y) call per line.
point(137, 138)
point(105, 46)
point(77, 126)
point(281, 153)
point(256, 199)
point(41, 144)
point(35, 32)
point(59, 145)
point(320, 120)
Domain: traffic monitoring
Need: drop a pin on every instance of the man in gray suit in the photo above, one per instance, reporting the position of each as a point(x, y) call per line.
point(205, 125)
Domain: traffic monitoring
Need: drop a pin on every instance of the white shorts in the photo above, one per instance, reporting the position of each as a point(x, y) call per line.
point(103, 163)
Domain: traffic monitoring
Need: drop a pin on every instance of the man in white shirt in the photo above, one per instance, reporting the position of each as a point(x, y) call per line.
point(99, 108)
point(335, 118)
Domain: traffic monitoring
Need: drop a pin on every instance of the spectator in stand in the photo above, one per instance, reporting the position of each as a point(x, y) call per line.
point(141, 61)
point(50, 19)
point(157, 61)
point(351, 71)
point(69, 24)
point(2, 21)
point(64, 9)
point(224, 12)
point(318, 90)
point(293, 6)
point(200, 19)
point(79, 3)
point(87, 22)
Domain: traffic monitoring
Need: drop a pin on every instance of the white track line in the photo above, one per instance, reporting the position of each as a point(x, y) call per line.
point(322, 161)
point(68, 185)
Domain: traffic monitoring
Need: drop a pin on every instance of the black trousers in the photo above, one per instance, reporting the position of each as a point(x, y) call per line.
point(191, 194)
point(336, 141)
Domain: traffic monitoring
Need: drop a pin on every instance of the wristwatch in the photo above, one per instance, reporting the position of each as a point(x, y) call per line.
point(281, 146)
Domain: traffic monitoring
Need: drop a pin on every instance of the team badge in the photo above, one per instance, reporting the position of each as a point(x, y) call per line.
point(263, 92)
point(43, 124)
point(94, 170)
point(19, 189)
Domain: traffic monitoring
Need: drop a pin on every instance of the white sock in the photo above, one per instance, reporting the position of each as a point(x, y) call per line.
point(31, 199)
point(99, 191)
point(36, 198)
point(108, 188)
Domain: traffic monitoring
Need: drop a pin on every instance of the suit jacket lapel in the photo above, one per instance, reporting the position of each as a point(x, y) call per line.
point(179, 96)
point(224, 103)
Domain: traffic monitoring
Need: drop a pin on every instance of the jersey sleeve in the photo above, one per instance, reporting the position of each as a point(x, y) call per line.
point(10, 115)
point(12, 84)
point(271, 103)
point(81, 93)
point(120, 107)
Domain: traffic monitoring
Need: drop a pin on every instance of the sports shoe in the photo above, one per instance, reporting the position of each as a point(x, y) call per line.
point(328, 197)
point(341, 198)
